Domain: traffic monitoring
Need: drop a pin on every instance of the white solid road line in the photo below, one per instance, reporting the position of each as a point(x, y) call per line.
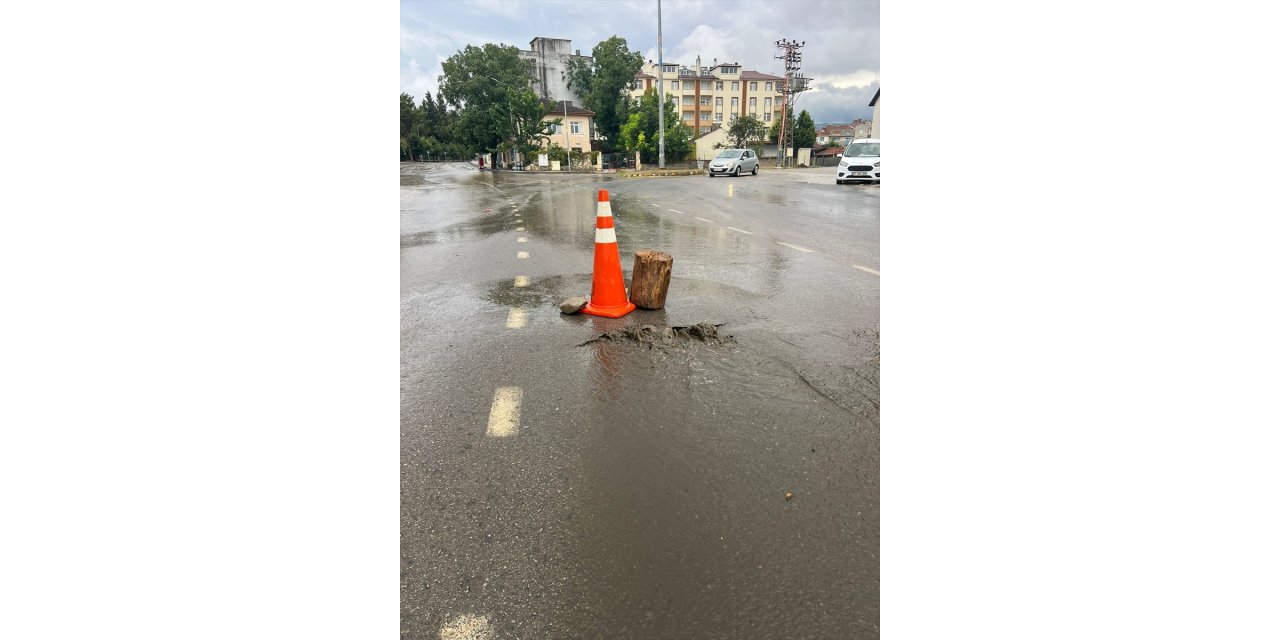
point(504, 414)
point(868, 270)
point(516, 318)
point(750, 233)
point(674, 211)
point(792, 246)
point(702, 219)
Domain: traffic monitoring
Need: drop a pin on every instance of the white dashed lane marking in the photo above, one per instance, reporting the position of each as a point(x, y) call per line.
point(504, 414)
point(517, 318)
point(522, 281)
point(797, 248)
point(519, 228)
point(674, 211)
point(522, 239)
point(702, 219)
point(521, 255)
point(750, 233)
point(867, 269)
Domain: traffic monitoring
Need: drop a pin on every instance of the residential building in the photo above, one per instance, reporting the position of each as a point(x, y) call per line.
point(706, 97)
point(841, 134)
point(875, 117)
point(551, 58)
point(580, 125)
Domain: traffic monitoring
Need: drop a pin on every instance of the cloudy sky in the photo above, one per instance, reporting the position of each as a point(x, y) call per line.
point(841, 52)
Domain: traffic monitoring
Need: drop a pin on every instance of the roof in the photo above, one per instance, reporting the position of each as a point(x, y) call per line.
point(875, 99)
point(642, 75)
point(748, 74)
point(558, 109)
point(830, 151)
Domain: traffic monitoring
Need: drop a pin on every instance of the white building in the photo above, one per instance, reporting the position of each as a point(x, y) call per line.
point(551, 58)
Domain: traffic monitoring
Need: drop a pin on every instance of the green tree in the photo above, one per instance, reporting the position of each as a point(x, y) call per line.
point(604, 85)
point(806, 133)
point(640, 133)
point(483, 83)
point(744, 129)
point(406, 115)
point(529, 131)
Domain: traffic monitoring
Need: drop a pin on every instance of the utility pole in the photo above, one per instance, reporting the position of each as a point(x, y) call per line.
point(662, 102)
point(792, 85)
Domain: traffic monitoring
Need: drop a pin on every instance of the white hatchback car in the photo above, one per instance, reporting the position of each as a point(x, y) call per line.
point(861, 161)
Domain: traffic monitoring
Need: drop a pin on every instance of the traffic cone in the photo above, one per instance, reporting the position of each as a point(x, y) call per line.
point(608, 291)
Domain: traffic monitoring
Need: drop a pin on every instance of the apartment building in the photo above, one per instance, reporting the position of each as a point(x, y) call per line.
point(550, 57)
point(707, 97)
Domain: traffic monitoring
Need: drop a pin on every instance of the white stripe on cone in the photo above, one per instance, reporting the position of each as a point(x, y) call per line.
point(603, 210)
point(606, 236)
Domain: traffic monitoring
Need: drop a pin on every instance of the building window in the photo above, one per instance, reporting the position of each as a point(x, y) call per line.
point(688, 115)
point(719, 117)
point(668, 68)
point(733, 105)
point(575, 127)
point(719, 86)
point(675, 85)
point(719, 103)
point(557, 128)
point(768, 104)
point(766, 116)
point(688, 100)
point(688, 85)
point(734, 86)
point(635, 86)
point(754, 85)
point(705, 101)
point(706, 85)
point(752, 103)
point(768, 86)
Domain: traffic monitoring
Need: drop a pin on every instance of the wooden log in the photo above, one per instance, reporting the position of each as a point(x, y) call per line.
point(650, 278)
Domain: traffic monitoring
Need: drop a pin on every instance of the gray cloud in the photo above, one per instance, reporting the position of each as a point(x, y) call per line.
point(841, 53)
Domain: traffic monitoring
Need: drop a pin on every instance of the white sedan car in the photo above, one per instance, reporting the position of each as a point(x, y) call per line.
point(861, 161)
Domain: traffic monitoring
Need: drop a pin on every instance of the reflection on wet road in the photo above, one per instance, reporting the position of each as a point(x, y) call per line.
point(553, 486)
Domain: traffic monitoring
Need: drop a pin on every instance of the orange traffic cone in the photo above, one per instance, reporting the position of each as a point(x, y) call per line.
point(608, 292)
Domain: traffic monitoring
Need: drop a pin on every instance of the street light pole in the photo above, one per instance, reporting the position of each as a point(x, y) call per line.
point(662, 102)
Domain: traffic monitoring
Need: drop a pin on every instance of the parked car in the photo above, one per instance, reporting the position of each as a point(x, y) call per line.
point(733, 162)
point(861, 161)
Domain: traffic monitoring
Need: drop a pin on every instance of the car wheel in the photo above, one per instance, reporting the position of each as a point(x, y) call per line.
point(711, 175)
point(755, 170)
point(737, 171)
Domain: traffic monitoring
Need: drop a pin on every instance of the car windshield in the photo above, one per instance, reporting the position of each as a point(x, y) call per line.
point(730, 153)
point(862, 150)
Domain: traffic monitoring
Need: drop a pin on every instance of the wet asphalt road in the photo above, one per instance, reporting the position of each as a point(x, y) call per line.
point(642, 493)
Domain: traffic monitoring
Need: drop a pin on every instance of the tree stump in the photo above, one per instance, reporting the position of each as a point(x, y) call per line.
point(650, 278)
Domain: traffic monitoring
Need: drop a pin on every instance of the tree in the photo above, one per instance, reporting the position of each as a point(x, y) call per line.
point(604, 83)
point(744, 129)
point(800, 131)
point(805, 133)
point(640, 133)
point(483, 84)
point(529, 131)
